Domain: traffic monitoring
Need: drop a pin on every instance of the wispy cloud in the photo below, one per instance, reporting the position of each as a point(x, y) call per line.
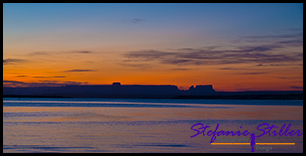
point(280, 36)
point(51, 53)
point(233, 68)
point(135, 20)
point(82, 52)
point(290, 78)
point(59, 76)
point(21, 76)
point(10, 83)
point(13, 61)
point(282, 40)
point(180, 69)
point(44, 77)
point(142, 66)
point(293, 42)
point(244, 54)
point(39, 53)
point(252, 73)
point(296, 87)
point(80, 70)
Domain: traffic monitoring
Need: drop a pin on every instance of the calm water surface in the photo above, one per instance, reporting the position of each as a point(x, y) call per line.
point(144, 125)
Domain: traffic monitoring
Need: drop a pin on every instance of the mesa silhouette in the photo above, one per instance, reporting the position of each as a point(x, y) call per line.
point(116, 90)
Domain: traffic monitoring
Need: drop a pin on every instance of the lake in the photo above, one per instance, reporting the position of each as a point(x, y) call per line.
point(145, 125)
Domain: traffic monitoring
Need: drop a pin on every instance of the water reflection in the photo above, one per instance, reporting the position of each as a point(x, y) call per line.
point(141, 129)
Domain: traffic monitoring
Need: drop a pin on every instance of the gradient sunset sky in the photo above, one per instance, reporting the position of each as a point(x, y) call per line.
point(234, 47)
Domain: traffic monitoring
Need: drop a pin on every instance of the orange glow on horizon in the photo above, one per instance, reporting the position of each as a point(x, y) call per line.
point(182, 79)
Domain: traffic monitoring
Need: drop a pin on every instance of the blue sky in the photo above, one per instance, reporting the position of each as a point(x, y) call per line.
point(259, 15)
point(201, 22)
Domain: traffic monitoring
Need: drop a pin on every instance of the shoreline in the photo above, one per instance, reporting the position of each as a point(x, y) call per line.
point(210, 97)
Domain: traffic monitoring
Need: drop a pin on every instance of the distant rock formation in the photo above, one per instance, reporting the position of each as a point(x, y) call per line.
point(116, 84)
point(201, 90)
point(116, 90)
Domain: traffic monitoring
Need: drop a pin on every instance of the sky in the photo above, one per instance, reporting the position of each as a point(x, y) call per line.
point(234, 47)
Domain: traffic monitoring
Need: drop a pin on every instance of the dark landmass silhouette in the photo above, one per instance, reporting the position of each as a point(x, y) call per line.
point(116, 90)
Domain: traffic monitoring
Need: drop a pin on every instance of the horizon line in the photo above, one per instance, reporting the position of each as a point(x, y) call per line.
point(21, 84)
